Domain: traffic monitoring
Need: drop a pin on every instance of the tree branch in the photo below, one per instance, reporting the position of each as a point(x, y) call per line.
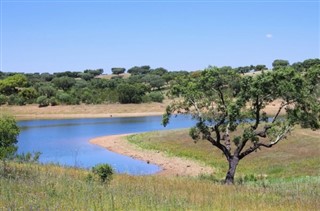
point(257, 145)
point(219, 146)
point(279, 110)
point(257, 105)
point(222, 98)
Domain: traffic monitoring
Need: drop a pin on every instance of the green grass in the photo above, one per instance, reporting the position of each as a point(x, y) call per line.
point(39, 187)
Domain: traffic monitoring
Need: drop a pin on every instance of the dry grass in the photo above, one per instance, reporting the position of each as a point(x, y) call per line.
point(85, 111)
point(36, 187)
point(97, 111)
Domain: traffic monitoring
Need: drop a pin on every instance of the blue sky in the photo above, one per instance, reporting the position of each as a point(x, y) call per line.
point(55, 36)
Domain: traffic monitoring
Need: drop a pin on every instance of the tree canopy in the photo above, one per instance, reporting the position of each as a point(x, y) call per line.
point(279, 63)
point(118, 70)
point(230, 109)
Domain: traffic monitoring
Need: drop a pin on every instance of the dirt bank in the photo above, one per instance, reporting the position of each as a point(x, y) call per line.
point(172, 166)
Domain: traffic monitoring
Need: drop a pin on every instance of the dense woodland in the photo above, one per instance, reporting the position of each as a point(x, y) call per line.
point(144, 84)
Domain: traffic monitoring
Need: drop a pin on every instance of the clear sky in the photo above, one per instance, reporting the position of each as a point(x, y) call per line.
point(55, 36)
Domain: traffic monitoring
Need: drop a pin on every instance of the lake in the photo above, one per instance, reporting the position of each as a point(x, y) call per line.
point(66, 141)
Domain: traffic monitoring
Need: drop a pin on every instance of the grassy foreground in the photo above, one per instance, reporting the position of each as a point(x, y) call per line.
point(46, 187)
point(292, 183)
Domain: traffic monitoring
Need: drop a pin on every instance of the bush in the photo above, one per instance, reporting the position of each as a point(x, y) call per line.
point(16, 100)
point(103, 171)
point(43, 101)
point(9, 132)
point(130, 93)
point(156, 97)
point(146, 99)
point(3, 99)
point(66, 98)
point(53, 101)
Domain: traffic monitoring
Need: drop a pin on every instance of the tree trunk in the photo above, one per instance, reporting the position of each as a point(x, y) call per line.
point(233, 163)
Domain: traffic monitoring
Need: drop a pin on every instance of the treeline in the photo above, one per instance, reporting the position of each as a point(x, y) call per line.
point(89, 87)
point(144, 84)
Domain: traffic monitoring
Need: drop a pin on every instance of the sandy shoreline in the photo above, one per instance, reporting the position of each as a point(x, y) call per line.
point(171, 166)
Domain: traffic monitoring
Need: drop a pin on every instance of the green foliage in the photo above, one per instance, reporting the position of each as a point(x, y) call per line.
point(11, 84)
point(308, 63)
point(94, 72)
point(139, 70)
point(260, 67)
point(9, 132)
point(159, 71)
point(130, 93)
point(156, 97)
point(53, 101)
point(64, 82)
point(67, 74)
point(279, 63)
point(86, 76)
point(46, 76)
point(118, 70)
point(68, 99)
point(15, 99)
point(43, 101)
point(46, 89)
point(104, 171)
point(29, 94)
point(155, 81)
point(99, 83)
point(3, 99)
point(298, 66)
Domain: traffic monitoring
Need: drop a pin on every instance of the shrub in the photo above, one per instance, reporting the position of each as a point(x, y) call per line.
point(156, 97)
point(103, 171)
point(129, 93)
point(29, 94)
point(146, 99)
point(3, 99)
point(16, 100)
point(66, 98)
point(9, 132)
point(53, 101)
point(43, 101)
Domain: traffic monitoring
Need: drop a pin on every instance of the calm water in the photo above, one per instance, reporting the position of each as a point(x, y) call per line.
point(67, 141)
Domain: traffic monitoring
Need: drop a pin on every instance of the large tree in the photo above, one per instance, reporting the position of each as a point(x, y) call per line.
point(11, 84)
point(230, 109)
